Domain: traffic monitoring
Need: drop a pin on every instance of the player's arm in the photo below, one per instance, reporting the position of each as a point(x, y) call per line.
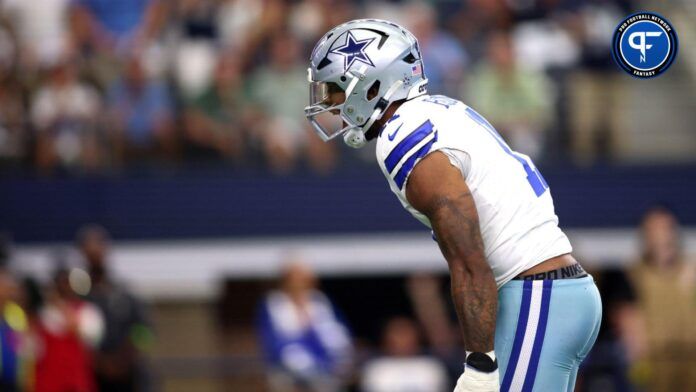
point(438, 190)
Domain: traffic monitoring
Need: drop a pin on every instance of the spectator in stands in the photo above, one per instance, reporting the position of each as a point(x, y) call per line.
point(32, 300)
point(239, 21)
point(402, 366)
point(140, 115)
point(42, 29)
point(106, 32)
point(473, 21)
point(619, 351)
point(69, 328)
point(596, 90)
point(517, 101)
point(440, 329)
point(122, 27)
point(196, 50)
point(119, 364)
point(214, 120)
point(283, 129)
point(665, 282)
point(249, 26)
point(445, 57)
point(13, 328)
point(64, 113)
point(305, 342)
point(309, 19)
point(9, 47)
point(210, 83)
point(13, 122)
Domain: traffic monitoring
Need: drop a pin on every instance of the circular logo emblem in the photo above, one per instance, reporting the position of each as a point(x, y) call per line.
point(644, 45)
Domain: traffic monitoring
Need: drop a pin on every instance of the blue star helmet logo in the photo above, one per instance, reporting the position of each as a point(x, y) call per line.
point(353, 51)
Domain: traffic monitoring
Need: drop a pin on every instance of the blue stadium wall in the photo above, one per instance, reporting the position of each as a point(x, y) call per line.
point(216, 203)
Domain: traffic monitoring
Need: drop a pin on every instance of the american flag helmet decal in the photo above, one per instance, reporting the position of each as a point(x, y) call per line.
point(416, 69)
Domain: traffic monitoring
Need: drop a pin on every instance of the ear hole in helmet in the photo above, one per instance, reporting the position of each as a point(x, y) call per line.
point(373, 90)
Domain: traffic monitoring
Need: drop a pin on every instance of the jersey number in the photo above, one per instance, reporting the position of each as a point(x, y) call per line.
point(535, 179)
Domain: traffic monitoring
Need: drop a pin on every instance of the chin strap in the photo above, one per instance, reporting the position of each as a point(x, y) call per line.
point(356, 137)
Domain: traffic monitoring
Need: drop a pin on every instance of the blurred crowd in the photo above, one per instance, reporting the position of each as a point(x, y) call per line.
point(646, 342)
point(99, 85)
point(81, 331)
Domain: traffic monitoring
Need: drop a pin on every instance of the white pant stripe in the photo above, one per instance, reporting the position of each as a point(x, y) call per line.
point(529, 336)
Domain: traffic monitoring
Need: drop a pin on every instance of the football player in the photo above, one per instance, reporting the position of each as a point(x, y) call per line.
point(528, 311)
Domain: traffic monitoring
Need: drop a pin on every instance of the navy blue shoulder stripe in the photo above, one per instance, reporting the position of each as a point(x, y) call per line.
point(408, 165)
point(407, 144)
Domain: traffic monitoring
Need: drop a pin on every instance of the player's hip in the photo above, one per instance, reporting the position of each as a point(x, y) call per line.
point(544, 330)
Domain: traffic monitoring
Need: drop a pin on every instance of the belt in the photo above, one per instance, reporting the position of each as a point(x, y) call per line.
point(573, 271)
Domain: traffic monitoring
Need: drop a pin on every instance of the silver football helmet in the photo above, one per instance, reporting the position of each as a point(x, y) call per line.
point(353, 58)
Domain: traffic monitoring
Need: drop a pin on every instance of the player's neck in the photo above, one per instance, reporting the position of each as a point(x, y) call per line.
point(389, 113)
point(379, 124)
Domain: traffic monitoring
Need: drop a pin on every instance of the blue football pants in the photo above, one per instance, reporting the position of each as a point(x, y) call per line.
point(545, 328)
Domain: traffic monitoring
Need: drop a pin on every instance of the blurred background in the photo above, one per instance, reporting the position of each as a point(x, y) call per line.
point(170, 223)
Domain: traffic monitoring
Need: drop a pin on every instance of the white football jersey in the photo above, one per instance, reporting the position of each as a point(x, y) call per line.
point(518, 224)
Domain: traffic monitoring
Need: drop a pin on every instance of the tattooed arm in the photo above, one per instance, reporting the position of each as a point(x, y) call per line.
point(447, 202)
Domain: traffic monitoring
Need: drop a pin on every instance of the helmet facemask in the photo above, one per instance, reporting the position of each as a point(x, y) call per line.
point(327, 117)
